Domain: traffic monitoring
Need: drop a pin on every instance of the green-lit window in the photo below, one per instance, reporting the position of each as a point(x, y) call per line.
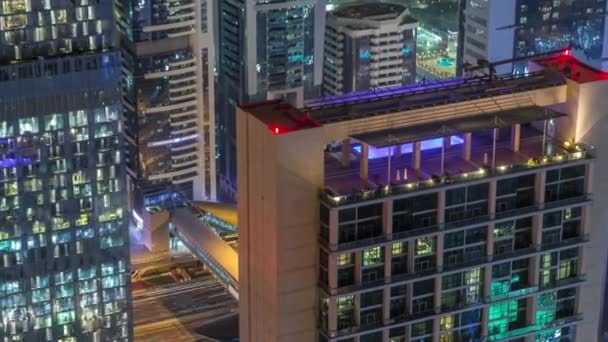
point(425, 246)
point(447, 322)
point(399, 248)
point(372, 256)
point(65, 317)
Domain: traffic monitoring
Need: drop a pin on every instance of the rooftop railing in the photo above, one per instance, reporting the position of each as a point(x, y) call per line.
point(333, 200)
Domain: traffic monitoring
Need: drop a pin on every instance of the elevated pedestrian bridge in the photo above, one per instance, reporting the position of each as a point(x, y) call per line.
point(201, 227)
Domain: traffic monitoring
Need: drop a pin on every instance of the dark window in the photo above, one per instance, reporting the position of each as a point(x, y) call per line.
point(453, 239)
point(371, 298)
point(424, 287)
point(451, 281)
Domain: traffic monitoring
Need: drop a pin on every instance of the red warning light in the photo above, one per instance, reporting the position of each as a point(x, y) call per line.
point(567, 52)
point(276, 130)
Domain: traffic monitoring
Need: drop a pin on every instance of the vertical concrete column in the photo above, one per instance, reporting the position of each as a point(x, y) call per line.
point(386, 307)
point(332, 320)
point(466, 147)
point(333, 226)
point(585, 221)
point(437, 295)
point(398, 151)
point(439, 251)
point(515, 137)
point(436, 329)
point(333, 271)
point(364, 162)
point(416, 155)
point(408, 307)
point(388, 255)
point(490, 241)
point(387, 217)
point(411, 245)
point(358, 256)
point(492, 198)
point(487, 280)
point(358, 309)
point(531, 304)
point(539, 188)
point(346, 152)
point(588, 178)
point(537, 230)
point(441, 207)
point(485, 313)
point(534, 270)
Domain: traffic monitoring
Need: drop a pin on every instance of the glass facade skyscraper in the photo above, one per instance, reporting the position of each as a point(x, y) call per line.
point(64, 249)
point(266, 50)
point(500, 30)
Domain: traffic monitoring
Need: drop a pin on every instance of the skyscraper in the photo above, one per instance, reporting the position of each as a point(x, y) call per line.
point(504, 29)
point(169, 103)
point(368, 46)
point(266, 50)
point(458, 210)
point(63, 232)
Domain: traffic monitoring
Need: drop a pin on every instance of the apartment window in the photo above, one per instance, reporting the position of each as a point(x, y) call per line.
point(565, 183)
point(372, 256)
point(425, 246)
point(414, 212)
point(466, 202)
point(346, 312)
point(360, 223)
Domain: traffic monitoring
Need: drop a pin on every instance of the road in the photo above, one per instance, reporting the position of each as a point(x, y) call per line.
point(174, 312)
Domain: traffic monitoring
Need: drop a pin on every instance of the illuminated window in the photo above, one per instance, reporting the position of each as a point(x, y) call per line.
point(447, 322)
point(473, 276)
point(345, 259)
point(53, 122)
point(28, 125)
point(425, 246)
point(372, 256)
point(399, 248)
point(6, 130)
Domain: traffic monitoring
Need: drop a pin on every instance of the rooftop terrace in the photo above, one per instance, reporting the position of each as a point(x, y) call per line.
point(345, 184)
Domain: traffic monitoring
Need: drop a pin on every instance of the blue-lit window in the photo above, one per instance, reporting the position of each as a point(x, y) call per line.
point(86, 273)
point(63, 277)
point(28, 126)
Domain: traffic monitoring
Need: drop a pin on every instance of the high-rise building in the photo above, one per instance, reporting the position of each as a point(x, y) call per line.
point(169, 100)
point(266, 50)
point(368, 46)
point(458, 210)
point(498, 30)
point(64, 243)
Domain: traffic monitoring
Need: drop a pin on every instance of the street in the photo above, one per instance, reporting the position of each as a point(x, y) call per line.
point(174, 312)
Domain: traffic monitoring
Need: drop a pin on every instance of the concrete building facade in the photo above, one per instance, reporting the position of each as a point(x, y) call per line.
point(368, 46)
point(169, 100)
point(475, 218)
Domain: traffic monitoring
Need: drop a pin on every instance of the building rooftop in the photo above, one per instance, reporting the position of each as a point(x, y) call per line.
point(344, 185)
point(572, 68)
point(371, 11)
